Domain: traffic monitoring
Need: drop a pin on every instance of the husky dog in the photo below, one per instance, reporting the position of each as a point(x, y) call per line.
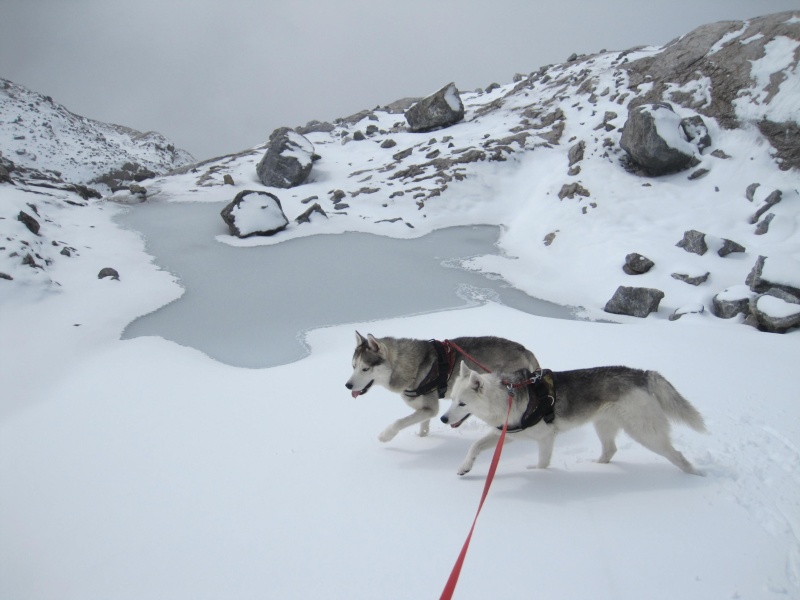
point(420, 371)
point(642, 403)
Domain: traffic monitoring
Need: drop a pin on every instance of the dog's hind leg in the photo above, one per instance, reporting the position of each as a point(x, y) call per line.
point(607, 432)
point(658, 441)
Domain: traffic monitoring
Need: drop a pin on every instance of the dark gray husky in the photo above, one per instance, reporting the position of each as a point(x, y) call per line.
point(421, 371)
point(641, 403)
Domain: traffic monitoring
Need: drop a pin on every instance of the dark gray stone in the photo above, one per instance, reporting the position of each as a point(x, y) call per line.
point(763, 226)
point(727, 308)
point(760, 284)
point(697, 280)
point(693, 241)
point(31, 223)
point(259, 199)
point(287, 161)
point(441, 109)
point(108, 272)
point(770, 201)
point(770, 322)
point(645, 146)
point(729, 247)
point(696, 132)
point(634, 301)
point(636, 264)
point(306, 216)
point(576, 153)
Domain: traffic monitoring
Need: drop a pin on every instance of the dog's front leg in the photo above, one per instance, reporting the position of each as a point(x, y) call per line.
point(421, 415)
point(487, 441)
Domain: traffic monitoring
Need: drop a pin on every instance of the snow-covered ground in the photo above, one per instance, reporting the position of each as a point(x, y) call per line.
point(144, 469)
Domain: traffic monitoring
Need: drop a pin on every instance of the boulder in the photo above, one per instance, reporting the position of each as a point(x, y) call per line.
point(254, 213)
point(781, 273)
point(634, 301)
point(30, 222)
point(691, 279)
point(732, 301)
point(441, 109)
point(636, 264)
point(695, 130)
point(655, 141)
point(776, 311)
point(694, 241)
point(287, 161)
point(729, 247)
point(108, 272)
point(305, 217)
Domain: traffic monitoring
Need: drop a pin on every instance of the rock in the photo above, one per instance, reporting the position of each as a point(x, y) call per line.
point(254, 213)
point(776, 310)
point(653, 138)
point(315, 127)
point(636, 264)
point(770, 201)
point(441, 109)
point(576, 153)
point(549, 238)
point(108, 272)
point(403, 154)
point(729, 247)
point(750, 192)
point(569, 190)
point(5, 176)
point(763, 226)
point(138, 191)
point(227, 179)
point(6, 276)
point(634, 301)
point(388, 143)
point(31, 223)
point(306, 216)
point(691, 280)
point(287, 161)
point(695, 130)
point(693, 241)
point(689, 309)
point(775, 272)
point(731, 302)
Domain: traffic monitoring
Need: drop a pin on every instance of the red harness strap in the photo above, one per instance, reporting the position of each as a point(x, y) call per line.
point(450, 586)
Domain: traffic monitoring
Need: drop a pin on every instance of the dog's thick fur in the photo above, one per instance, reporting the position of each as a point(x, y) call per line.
point(401, 364)
point(641, 403)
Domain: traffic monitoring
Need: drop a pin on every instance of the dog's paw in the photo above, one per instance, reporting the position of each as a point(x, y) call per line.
point(387, 435)
point(464, 469)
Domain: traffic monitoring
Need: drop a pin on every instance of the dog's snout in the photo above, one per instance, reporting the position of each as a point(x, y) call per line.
point(348, 385)
point(444, 419)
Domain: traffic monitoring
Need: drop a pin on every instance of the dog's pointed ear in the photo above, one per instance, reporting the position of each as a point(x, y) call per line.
point(475, 381)
point(375, 345)
point(465, 370)
point(360, 339)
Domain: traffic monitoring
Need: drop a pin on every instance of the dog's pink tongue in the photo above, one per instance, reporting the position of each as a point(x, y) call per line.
point(355, 393)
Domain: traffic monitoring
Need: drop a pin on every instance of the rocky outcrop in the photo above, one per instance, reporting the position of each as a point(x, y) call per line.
point(728, 55)
point(441, 109)
point(254, 213)
point(634, 301)
point(287, 161)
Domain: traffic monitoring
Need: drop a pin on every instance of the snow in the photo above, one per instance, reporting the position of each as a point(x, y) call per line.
point(777, 68)
point(668, 126)
point(782, 270)
point(142, 468)
point(451, 98)
point(258, 212)
point(777, 307)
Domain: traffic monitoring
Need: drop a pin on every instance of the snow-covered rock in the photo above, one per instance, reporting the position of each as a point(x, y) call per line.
point(287, 161)
point(254, 213)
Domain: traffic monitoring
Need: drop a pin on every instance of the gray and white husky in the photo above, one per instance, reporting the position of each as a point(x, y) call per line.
point(420, 371)
point(641, 403)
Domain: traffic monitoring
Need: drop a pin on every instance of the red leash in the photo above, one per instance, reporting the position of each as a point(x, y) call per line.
point(450, 586)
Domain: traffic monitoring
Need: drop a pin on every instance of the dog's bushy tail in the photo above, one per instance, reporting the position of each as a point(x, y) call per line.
point(676, 407)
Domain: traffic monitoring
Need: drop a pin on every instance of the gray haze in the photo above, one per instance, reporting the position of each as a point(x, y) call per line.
point(217, 77)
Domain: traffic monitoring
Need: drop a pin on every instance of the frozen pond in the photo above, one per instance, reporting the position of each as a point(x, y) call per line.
point(267, 296)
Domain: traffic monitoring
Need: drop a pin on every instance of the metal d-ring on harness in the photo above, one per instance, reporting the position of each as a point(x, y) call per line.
point(541, 398)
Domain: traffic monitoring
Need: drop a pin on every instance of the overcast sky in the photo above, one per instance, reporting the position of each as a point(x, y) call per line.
point(219, 76)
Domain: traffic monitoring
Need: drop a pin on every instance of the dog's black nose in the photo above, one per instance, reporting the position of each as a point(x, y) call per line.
point(348, 385)
point(444, 419)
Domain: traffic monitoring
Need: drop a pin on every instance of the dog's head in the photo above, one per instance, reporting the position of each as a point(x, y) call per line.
point(467, 392)
point(370, 365)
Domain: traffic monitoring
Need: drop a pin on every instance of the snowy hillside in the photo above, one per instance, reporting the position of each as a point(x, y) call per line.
point(142, 468)
point(45, 141)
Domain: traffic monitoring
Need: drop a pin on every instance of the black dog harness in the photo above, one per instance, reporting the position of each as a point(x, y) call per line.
point(541, 398)
point(440, 372)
